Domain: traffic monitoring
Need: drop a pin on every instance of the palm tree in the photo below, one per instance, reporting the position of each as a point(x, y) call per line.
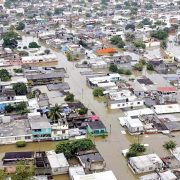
point(54, 113)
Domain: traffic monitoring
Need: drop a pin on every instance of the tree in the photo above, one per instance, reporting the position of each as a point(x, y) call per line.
point(58, 11)
point(23, 53)
point(20, 88)
point(4, 75)
point(160, 34)
point(135, 149)
point(34, 45)
point(170, 145)
point(20, 26)
point(21, 108)
point(163, 44)
point(70, 148)
point(113, 68)
point(139, 44)
point(147, 21)
point(138, 67)
point(130, 26)
point(69, 56)
point(97, 92)
point(128, 72)
point(3, 174)
point(150, 67)
point(10, 39)
point(117, 40)
point(47, 51)
point(69, 97)
point(23, 172)
point(129, 37)
point(54, 113)
point(9, 108)
point(83, 110)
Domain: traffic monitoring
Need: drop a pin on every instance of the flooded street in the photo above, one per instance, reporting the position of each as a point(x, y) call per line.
point(111, 147)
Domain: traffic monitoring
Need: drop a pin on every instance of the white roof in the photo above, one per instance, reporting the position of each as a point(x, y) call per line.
point(167, 175)
point(141, 162)
point(176, 153)
point(107, 175)
point(133, 122)
point(40, 57)
point(56, 160)
point(79, 170)
point(165, 109)
point(145, 111)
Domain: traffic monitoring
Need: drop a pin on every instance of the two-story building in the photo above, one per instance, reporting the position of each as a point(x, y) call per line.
point(40, 127)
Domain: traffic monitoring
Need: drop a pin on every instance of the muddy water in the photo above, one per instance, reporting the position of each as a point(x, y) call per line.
point(111, 147)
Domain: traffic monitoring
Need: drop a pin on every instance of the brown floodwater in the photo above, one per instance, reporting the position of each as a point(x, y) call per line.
point(111, 147)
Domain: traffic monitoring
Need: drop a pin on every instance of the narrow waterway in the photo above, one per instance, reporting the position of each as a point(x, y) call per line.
point(111, 147)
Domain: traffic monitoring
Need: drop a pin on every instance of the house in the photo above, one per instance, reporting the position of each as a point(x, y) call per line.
point(12, 130)
point(39, 59)
point(60, 131)
point(74, 171)
point(11, 158)
point(41, 128)
point(58, 163)
point(145, 163)
point(106, 175)
point(91, 160)
point(167, 109)
point(133, 124)
point(129, 102)
point(165, 175)
point(96, 128)
point(44, 79)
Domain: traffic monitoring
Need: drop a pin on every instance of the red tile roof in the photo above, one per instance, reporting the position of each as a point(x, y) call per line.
point(167, 89)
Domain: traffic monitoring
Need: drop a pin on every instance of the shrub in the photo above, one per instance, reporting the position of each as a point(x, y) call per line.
point(150, 67)
point(9, 108)
point(138, 67)
point(170, 145)
point(128, 72)
point(97, 92)
point(34, 45)
point(83, 111)
point(113, 68)
point(20, 143)
point(69, 97)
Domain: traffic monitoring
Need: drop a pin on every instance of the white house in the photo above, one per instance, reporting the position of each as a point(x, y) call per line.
point(134, 125)
point(145, 163)
point(167, 109)
point(58, 163)
point(106, 175)
point(125, 103)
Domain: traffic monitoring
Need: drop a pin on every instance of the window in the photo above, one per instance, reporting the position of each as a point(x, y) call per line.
point(18, 138)
point(138, 102)
point(123, 104)
point(27, 137)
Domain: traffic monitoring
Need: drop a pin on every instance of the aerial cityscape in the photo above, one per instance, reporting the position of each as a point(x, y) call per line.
point(89, 89)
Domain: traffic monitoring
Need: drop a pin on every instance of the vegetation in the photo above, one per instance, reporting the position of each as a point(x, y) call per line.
point(130, 26)
point(69, 97)
point(138, 67)
point(34, 45)
point(146, 21)
point(136, 149)
point(19, 108)
point(124, 71)
point(58, 11)
point(47, 51)
point(170, 145)
point(4, 75)
point(117, 40)
point(20, 88)
point(21, 143)
point(20, 26)
point(163, 44)
point(129, 37)
point(70, 148)
point(23, 53)
point(10, 39)
point(139, 44)
point(83, 110)
point(54, 113)
point(97, 92)
point(113, 68)
point(150, 67)
point(160, 34)
point(23, 172)
point(69, 56)
point(18, 70)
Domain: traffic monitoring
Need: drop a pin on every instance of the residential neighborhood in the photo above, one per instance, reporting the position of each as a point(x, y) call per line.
point(89, 89)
